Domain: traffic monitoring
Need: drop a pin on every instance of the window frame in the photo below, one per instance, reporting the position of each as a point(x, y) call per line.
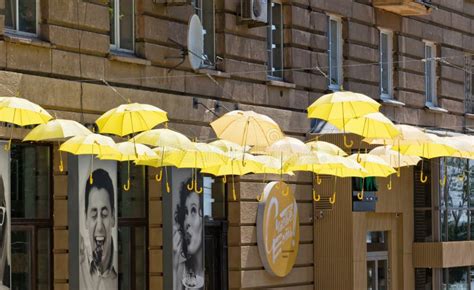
point(199, 11)
point(271, 71)
point(116, 14)
point(339, 55)
point(33, 225)
point(431, 100)
point(17, 31)
point(389, 52)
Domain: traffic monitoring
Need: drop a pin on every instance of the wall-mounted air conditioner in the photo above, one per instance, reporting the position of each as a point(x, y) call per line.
point(254, 12)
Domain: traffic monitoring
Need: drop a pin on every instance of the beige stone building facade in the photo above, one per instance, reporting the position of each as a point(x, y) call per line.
point(79, 58)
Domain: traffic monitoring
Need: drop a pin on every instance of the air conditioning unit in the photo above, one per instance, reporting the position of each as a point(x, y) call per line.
point(254, 12)
point(405, 7)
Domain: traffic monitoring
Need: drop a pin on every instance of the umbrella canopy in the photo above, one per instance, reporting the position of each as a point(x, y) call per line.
point(56, 130)
point(408, 135)
point(342, 106)
point(325, 147)
point(163, 138)
point(234, 165)
point(322, 163)
point(128, 151)
point(228, 146)
point(202, 155)
point(435, 147)
point(22, 112)
point(130, 118)
point(287, 147)
point(463, 144)
point(93, 144)
point(374, 165)
point(393, 158)
point(270, 165)
point(373, 125)
point(247, 128)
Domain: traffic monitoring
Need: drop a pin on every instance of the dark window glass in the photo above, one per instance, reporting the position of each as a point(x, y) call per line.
point(132, 203)
point(334, 38)
point(10, 14)
point(30, 181)
point(126, 18)
point(384, 66)
point(214, 198)
point(455, 278)
point(423, 226)
point(275, 40)
point(207, 19)
point(21, 253)
point(423, 279)
point(21, 15)
point(42, 261)
point(132, 257)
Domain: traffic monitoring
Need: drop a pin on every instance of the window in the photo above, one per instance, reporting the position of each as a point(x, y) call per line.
point(122, 25)
point(31, 217)
point(205, 9)
point(335, 53)
point(378, 268)
point(430, 75)
point(386, 68)
point(469, 82)
point(21, 16)
point(457, 199)
point(423, 205)
point(456, 278)
point(132, 231)
point(275, 40)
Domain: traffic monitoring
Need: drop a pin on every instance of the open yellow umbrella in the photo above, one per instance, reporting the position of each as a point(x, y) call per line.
point(163, 138)
point(228, 146)
point(373, 125)
point(21, 112)
point(130, 118)
point(408, 135)
point(57, 130)
point(463, 144)
point(325, 147)
point(270, 165)
point(247, 128)
point(92, 144)
point(339, 107)
point(129, 151)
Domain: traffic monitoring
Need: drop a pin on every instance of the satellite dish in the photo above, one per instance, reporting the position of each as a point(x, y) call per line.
point(195, 42)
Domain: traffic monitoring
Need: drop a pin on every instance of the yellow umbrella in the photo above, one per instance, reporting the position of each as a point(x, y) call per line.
point(287, 147)
point(130, 118)
point(374, 166)
point(128, 151)
point(342, 106)
point(270, 165)
point(92, 144)
point(325, 147)
point(408, 135)
point(57, 130)
point(21, 112)
point(247, 128)
point(163, 138)
point(463, 144)
point(373, 125)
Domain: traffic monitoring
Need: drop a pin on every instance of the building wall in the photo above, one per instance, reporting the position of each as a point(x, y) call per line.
point(62, 71)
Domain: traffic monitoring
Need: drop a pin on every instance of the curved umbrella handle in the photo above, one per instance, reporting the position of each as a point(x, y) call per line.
point(332, 199)
point(224, 179)
point(348, 145)
point(316, 197)
point(8, 146)
point(389, 185)
point(196, 189)
point(61, 165)
point(360, 195)
point(359, 160)
point(399, 171)
point(190, 186)
point(91, 180)
point(126, 186)
point(423, 178)
point(159, 177)
point(442, 181)
point(260, 197)
point(318, 179)
point(168, 190)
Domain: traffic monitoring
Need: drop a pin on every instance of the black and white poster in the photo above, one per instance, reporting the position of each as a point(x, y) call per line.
point(185, 232)
point(5, 255)
point(97, 227)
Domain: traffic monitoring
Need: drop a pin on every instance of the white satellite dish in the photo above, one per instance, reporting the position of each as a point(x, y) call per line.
point(195, 42)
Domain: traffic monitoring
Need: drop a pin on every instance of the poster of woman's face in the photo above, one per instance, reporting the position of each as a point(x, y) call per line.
point(188, 232)
point(97, 224)
point(4, 219)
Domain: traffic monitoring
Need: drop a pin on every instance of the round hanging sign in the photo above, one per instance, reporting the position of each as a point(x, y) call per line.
point(278, 229)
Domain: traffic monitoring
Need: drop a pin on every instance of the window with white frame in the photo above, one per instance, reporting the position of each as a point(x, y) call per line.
point(21, 16)
point(335, 52)
point(205, 9)
point(275, 40)
point(386, 67)
point(430, 74)
point(122, 25)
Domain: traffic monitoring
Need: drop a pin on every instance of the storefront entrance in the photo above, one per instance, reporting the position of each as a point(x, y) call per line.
point(378, 270)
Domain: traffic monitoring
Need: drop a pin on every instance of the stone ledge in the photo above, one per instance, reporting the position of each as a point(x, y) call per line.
point(434, 109)
point(281, 84)
point(128, 59)
point(469, 116)
point(392, 102)
point(22, 39)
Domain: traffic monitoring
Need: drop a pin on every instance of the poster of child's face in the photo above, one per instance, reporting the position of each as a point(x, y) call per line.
point(97, 224)
point(188, 231)
point(4, 219)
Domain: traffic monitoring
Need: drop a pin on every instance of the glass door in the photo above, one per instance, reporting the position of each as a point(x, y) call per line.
point(377, 271)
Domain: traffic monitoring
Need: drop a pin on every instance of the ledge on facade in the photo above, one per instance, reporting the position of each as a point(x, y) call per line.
point(22, 39)
point(469, 116)
point(128, 58)
point(214, 73)
point(434, 109)
point(392, 102)
point(443, 254)
point(281, 84)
